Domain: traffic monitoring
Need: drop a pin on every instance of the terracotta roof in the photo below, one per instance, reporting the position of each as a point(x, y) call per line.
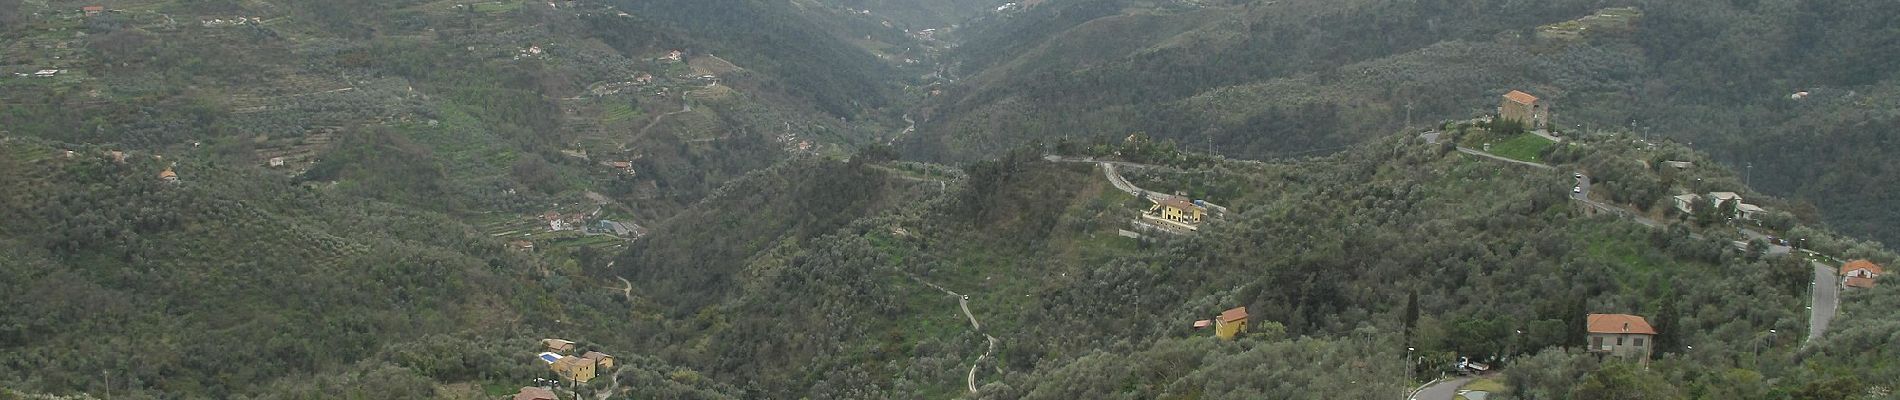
point(595, 355)
point(1203, 323)
point(167, 174)
point(1619, 323)
point(1858, 264)
point(1180, 203)
point(1859, 282)
point(535, 393)
point(558, 343)
point(1520, 97)
point(1235, 314)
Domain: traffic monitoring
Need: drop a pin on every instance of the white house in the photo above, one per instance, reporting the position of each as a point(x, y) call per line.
point(1716, 198)
point(1749, 211)
point(1686, 203)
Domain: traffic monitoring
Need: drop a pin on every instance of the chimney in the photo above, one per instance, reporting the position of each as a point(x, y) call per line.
point(1626, 327)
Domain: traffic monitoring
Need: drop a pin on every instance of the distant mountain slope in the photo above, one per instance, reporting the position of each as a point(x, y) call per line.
point(1276, 78)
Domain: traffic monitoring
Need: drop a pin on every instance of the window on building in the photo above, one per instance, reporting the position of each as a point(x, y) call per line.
point(1596, 342)
point(1619, 340)
point(1639, 342)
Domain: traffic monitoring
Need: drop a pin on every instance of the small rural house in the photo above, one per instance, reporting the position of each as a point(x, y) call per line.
point(92, 10)
point(117, 156)
point(276, 161)
point(1523, 107)
point(674, 55)
point(522, 245)
point(168, 176)
point(558, 345)
point(535, 393)
point(1716, 198)
point(577, 369)
point(1749, 211)
point(601, 360)
point(1620, 335)
point(1203, 324)
point(1860, 274)
point(643, 78)
point(1231, 323)
point(1686, 203)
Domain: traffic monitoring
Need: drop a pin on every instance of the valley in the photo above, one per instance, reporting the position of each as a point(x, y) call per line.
point(983, 199)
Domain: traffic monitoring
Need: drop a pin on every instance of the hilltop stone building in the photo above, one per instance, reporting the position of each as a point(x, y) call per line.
point(1525, 108)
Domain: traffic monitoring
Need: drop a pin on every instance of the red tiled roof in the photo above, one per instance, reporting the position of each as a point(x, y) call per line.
point(1858, 264)
point(1179, 203)
point(1619, 323)
point(1859, 282)
point(535, 393)
point(1203, 323)
point(1235, 314)
point(1520, 97)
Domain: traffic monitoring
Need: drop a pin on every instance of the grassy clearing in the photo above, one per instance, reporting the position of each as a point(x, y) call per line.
point(1484, 384)
point(1524, 147)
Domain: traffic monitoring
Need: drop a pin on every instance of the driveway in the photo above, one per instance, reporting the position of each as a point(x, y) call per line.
point(1773, 249)
point(1827, 299)
point(1443, 390)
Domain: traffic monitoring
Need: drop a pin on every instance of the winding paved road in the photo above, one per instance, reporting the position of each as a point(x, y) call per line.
point(1115, 178)
point(1443, 390)
point(964, 303)
point(1826, 301)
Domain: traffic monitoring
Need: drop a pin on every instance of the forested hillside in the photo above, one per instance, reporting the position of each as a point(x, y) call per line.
point(882, 199)
point(1273, 78)
point(1481, 249)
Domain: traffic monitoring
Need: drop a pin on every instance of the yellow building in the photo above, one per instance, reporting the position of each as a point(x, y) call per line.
point(558, 345)
point(1178, 210)
point(1231, 323)
point(601, 360)
point(577, 369)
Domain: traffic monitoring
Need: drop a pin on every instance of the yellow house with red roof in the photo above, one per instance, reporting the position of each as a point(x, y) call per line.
point(1231, 323)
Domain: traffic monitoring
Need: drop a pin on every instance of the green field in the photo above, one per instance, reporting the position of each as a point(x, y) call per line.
point(1523, 147)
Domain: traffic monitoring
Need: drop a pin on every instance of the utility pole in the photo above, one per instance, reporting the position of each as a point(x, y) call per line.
point(1408, 115)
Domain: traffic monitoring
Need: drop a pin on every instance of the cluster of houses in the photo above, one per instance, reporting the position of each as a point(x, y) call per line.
point(558, 222)
point(579, 368)
point(220, 22)
point(574, 369)
point(530, 52)
point(1686, 203)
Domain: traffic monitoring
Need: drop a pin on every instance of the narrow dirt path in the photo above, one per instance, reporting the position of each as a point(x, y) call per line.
point(613, 385)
